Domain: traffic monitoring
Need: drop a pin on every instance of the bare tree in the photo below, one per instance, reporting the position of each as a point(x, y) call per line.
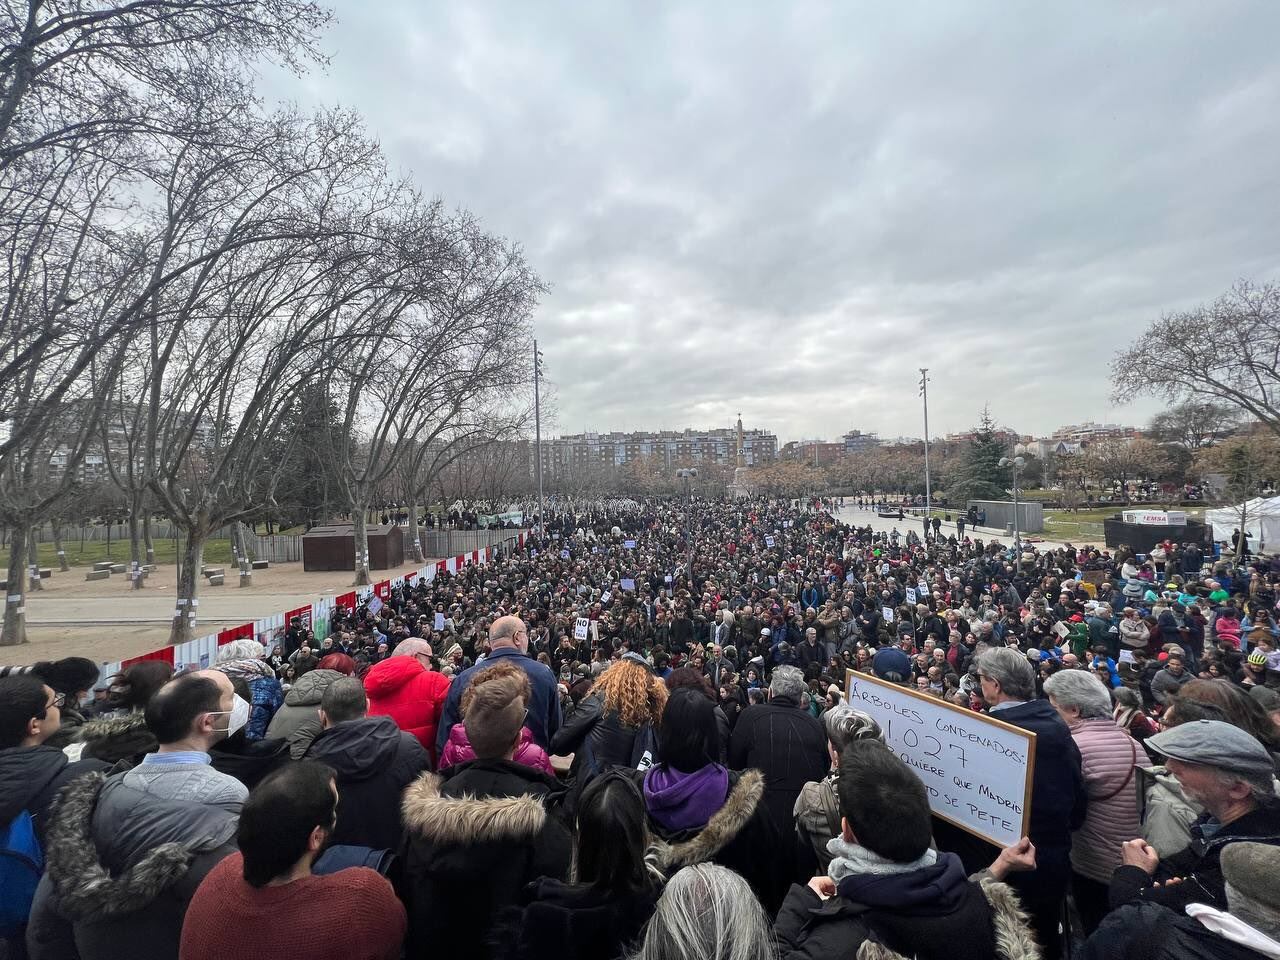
point(1194, 423)
point(1225, 352)
point(452, 334)
point(1121, 461)
point(73, 71)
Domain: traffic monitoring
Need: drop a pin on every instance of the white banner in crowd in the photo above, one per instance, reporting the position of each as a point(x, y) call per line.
point(202, 652)
point(977, 769)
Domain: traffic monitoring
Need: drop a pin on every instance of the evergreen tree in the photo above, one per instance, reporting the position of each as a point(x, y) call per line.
point(300, 458)
point(979, 475)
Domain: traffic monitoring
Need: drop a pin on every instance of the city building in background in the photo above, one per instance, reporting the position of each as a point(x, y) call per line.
point(574, 453)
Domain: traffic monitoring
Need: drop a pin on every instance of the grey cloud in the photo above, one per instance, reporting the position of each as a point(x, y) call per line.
point(788, 208)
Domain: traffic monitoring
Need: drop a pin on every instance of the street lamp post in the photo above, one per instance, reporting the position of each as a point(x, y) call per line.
point(928, 487)
point(1017, 462)
point(688, 475)
point(537, 434)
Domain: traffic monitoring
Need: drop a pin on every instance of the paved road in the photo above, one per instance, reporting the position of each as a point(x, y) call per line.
point(863, 518)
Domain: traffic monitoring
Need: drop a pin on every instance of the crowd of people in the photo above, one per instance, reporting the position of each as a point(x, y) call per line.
point(629, 738)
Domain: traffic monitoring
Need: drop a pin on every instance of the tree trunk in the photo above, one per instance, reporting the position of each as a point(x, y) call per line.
point(242, 549)
point(33, 558)
point(135, 543)
point(360, 527)
point(15, 612)
point(188, 601)
point(415, 538)
point(146, 538)
point(57, 545)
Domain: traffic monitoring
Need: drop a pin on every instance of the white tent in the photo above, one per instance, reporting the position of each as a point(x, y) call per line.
point(1261, 517)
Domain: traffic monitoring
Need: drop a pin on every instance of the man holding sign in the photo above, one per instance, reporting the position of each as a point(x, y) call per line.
point(887, 886)
point(1058, 797)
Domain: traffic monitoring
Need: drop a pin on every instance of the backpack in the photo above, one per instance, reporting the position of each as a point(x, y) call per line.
point(21, 863)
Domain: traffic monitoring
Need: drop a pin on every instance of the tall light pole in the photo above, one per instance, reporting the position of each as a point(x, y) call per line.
point(688, 475)
point(928, 485)
point(537, 433)
point(1018, 462)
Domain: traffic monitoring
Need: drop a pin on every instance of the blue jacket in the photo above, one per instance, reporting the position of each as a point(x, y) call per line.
point(544, 699)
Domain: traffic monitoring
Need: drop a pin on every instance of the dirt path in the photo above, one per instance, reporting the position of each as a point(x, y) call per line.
point(106, 621)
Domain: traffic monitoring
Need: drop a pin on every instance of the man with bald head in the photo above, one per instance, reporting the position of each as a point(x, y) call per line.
point(509, 639)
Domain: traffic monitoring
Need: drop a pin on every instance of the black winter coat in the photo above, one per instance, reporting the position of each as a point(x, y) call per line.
point(30, 778)
point(740, 835)
point(1148, 931)
point(937, 915)
point(598, 739)
point(374, 761)
point(475, 837)
point(788, 745)
point(1199, 864)
point(569, 921)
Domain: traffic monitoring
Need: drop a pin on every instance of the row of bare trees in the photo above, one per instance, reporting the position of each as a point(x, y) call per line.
point(184, 265)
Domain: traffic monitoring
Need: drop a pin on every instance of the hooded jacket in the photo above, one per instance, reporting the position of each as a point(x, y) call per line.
point(474, 837)
point(931, 913)
point(374, 761)
point(413, 696)
point(121, 865)
point(113, 739)
point(30, 778)
point(297, 721)
point(249, 761)
point(740, 835)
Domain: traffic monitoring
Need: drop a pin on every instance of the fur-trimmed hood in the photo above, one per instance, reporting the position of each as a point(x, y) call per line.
point(725, 824)
point(1012, 926)
point(466, 820)
point(85, 888)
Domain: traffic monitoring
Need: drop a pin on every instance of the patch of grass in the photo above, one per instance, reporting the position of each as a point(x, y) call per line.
point(95, 551)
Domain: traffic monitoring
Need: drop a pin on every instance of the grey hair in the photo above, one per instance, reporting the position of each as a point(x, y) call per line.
point(1082, 690)
point(1127, 698)
point(788, 682)
point(240, 650)
point(845, 724)
point(1261, 785)
point(707, 912)
point(411, 647)
point(1011, 670)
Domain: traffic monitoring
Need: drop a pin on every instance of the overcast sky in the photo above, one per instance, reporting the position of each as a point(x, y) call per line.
point(786, 208)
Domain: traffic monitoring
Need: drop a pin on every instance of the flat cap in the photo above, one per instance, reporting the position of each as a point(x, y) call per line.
point(1215, 744)
point(1250, 869)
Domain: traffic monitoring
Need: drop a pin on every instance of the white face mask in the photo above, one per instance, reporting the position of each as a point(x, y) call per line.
point(239, 714)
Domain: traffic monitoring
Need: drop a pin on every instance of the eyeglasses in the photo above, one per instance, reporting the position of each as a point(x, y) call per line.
point(59, 699)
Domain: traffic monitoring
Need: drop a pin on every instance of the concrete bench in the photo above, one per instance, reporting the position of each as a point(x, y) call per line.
point(98, 575)
point(118, 568)
point(104, 565)
point(148, 568)
point(261, 564)
point(213, 571)
point(216, 580)
point(46, 573)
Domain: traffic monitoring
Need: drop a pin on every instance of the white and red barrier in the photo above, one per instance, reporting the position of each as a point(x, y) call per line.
point(201, 653)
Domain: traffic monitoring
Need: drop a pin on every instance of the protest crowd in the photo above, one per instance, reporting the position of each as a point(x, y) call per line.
point(630, 738)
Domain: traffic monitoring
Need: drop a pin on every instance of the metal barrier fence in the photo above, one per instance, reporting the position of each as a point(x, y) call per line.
point(277, 549)
point(451, 543)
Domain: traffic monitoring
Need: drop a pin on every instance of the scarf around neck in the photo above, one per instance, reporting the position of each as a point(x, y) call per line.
point(850, 859)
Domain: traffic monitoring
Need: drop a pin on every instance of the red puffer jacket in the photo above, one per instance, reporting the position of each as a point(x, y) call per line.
point(413, 696)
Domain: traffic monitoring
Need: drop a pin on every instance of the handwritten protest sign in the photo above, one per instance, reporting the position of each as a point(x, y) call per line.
point(580, 627)
point(977, 769)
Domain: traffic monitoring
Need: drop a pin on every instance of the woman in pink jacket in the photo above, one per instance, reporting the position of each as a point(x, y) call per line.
point(1108, 757)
